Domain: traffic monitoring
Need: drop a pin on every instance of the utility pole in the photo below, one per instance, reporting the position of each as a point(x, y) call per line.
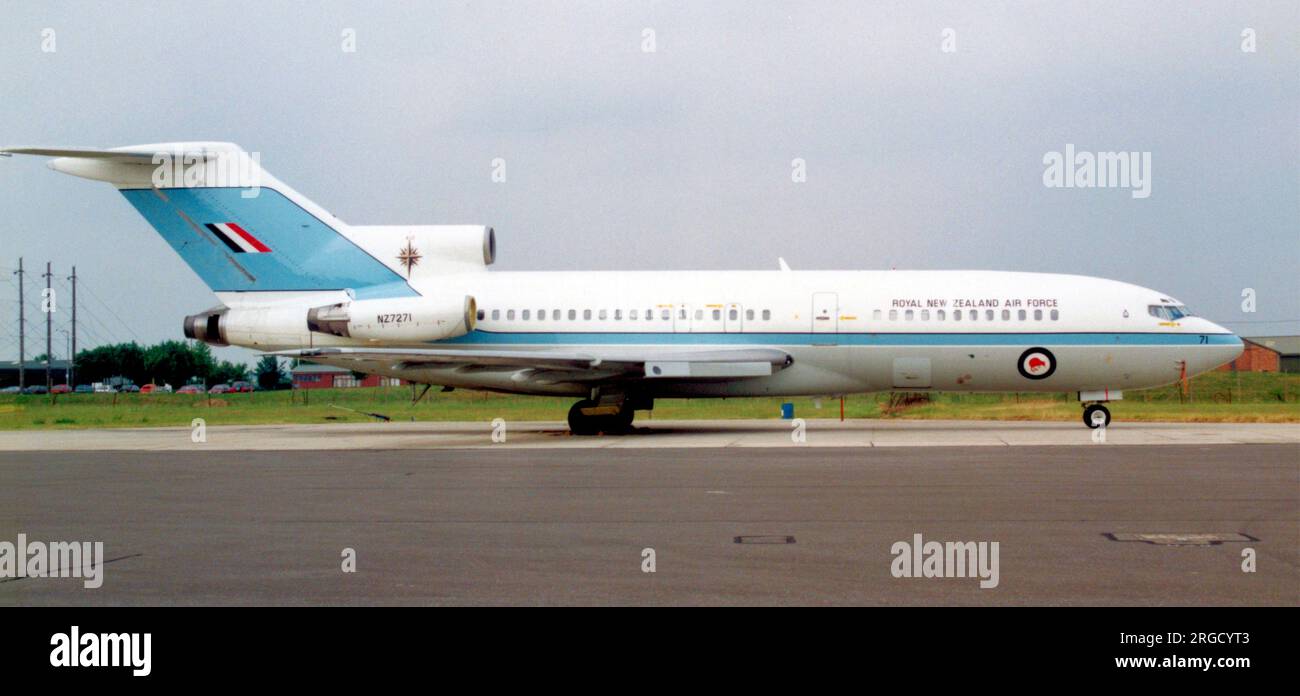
point(72, 351)
point(22, 330)
point(48, 306)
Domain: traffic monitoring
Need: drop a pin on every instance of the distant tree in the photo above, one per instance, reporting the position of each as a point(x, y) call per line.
point(269, 372)
point(112, 360)
point(177, 362)
point(227, 372)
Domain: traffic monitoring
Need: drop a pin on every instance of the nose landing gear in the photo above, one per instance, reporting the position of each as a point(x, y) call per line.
point(1096, 416)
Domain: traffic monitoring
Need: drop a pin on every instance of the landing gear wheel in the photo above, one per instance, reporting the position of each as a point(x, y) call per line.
point(582, 424)
point(622, 421)
point(1096, 416)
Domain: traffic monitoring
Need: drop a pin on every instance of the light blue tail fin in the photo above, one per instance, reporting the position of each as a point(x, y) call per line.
point(237, 242)
point(255, 235)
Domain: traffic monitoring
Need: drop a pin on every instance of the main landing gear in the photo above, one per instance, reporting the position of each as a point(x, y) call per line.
point(1096, 416)
point(610, 414)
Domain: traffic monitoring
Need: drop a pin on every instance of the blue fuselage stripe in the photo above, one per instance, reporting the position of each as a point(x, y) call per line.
point(844, 339)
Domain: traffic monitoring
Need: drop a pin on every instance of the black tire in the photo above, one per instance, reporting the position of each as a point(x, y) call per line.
point(582, 424)
point(1092, 410)
point(622, 421)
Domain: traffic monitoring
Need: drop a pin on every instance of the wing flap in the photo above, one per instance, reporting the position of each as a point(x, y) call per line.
point(631, 363)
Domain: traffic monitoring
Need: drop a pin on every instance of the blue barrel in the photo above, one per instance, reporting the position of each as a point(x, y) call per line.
point(787, 411)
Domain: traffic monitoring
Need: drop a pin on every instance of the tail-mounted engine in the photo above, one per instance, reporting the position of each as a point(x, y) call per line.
point(209, 327)
point(414, 319)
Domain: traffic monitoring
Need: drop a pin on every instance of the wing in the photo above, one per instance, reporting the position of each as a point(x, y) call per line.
point(568, 366)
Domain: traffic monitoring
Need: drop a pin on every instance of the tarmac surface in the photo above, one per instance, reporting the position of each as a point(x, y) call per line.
point(727, 525)
point(648, 434)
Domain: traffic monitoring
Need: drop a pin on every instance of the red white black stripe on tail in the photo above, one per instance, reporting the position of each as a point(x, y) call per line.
point(237, 238)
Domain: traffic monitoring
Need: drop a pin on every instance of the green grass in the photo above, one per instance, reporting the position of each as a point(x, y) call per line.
point(1215, 397)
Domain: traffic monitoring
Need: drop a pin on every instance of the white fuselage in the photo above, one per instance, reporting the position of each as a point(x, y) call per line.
point(280, 263)
point(848, 331)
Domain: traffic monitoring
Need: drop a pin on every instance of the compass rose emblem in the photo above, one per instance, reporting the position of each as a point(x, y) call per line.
point(409, 257)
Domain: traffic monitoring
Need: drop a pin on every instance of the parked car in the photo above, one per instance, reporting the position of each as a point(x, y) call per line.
point(190, 389)
point(130, 389)
point(104, 388)
point(84, 389)
point(12, 390)
point(36, 389)
point(156, 389)
point(219, 389)
point(61, 389)
point(241, 387)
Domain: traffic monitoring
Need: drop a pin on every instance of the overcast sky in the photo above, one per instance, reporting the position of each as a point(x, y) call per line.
point(680, 158)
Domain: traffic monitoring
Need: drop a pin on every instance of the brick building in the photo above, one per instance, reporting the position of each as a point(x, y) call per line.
point(1287, 347)
point(1254, 358)
point(313, 376)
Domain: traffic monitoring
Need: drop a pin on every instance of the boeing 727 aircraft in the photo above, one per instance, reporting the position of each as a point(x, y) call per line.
point(418, 303)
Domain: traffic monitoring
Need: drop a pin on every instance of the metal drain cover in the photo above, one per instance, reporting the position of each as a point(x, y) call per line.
point(765, 539)
point(1168, 539)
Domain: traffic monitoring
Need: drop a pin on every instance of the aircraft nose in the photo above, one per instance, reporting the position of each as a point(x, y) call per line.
point(1224, 346)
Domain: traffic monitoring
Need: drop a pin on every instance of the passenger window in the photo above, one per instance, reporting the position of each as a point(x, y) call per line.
point(586, 314)
point(875, 316)
point(699, 315)
point(956, 315)
point(618, 315)
point(555, 314)
point(1056, 314)
point(749, 314)
point(733, 314)
point(524, 316)
point(681, 313)
point(665, 315)
point(632, 316)
point(1006, 315)
point(925, 315)
point(482, 314)
point(573, 314)
point(649, 315)
point(1038, 315)
point(717, 314)
point(510, 314)
point(603, 313)
point(974, 315)
point(893, 315)
point(767, 314)
point(988, 314)
point(909, 315)
point(941, 315)
point(496, 314)
point(1021, 315)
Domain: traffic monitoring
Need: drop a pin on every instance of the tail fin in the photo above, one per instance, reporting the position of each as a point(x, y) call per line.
point(235, 225)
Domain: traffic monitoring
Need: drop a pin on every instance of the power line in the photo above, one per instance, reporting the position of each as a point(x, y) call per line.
point(110, 310)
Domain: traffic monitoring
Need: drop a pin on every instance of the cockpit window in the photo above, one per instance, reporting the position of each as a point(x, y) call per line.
point(1169, 312)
